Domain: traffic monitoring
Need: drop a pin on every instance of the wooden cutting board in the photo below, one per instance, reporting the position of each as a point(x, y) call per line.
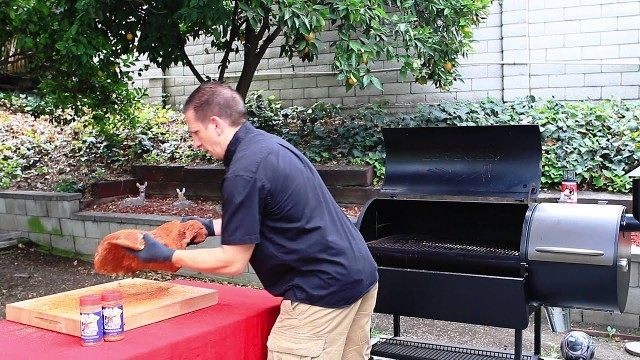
point(144, 302)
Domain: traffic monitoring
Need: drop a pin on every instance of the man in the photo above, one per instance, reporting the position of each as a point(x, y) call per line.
point(279, 217)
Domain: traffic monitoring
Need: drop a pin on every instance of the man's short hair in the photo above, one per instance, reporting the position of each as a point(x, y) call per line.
point(214, 98)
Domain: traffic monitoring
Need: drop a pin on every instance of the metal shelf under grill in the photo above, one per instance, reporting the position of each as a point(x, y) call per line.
point(395, 348)
point(431, 243)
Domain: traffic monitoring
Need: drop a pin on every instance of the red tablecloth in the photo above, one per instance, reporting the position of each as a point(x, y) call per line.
point(236, 328)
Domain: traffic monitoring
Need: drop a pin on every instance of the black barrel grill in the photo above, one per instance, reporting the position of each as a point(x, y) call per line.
point(492, 256)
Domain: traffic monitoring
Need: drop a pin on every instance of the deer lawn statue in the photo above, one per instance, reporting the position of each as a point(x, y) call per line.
point(182, 201)
point(137, 201)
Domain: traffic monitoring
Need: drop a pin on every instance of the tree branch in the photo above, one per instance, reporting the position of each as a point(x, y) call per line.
point(233, 33)
point(186, 60)
point(265, 23)
point(268, 41)
point(193, 69)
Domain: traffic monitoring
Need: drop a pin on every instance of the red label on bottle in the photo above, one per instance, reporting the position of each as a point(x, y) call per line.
point(569, 192)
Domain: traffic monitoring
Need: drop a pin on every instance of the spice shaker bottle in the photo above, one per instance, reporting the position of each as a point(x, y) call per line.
point(91, 326)
point(113, 315)
point(569, 189)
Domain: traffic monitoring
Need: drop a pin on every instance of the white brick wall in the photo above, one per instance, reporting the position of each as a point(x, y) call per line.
point(571, 49)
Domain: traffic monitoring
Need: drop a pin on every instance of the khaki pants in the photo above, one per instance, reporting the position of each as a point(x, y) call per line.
point(310, 332)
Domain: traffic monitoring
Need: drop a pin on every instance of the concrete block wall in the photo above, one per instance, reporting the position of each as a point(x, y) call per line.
point(569, 50)
point(572, 50)
point(54, 221)
point(41, 217)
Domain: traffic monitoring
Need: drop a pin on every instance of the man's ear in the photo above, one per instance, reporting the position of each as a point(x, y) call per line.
point(217, 123)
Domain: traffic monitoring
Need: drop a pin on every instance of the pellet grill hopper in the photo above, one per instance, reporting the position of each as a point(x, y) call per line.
point(458, 237)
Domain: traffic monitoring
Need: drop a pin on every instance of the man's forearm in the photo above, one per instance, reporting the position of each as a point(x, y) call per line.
point(223, 260)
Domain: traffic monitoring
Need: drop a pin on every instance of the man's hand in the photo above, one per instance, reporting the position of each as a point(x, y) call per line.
point(153, 251)
point(207, 223)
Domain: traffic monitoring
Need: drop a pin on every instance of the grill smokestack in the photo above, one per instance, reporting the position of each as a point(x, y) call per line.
point(632, 222)
point(635, 198)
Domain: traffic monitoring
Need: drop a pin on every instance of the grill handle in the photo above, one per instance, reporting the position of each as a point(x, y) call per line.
point(629, 223)
point(570, 251)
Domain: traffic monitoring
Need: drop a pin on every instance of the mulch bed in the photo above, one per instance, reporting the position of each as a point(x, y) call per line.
point(160, 205)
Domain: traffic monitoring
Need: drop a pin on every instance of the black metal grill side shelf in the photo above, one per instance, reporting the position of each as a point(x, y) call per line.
point(406, 349)
point(403, 349)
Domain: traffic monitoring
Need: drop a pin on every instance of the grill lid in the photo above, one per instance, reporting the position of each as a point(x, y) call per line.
point(484, 161)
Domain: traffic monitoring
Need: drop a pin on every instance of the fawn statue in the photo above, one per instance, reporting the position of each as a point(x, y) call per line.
point(182, 201)
point(137, 201)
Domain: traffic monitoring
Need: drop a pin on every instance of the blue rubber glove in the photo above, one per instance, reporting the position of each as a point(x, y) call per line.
point(153, 251)
point(207, 223)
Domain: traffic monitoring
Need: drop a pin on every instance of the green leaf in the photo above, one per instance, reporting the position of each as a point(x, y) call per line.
point(301, 45)
point(376, 82)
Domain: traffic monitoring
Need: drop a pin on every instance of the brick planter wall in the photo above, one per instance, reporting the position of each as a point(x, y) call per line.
point(54, 221)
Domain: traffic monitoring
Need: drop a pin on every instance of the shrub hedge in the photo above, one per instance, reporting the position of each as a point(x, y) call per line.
point(597, 139)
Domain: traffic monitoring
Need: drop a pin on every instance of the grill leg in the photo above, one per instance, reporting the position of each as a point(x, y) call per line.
point(537, 329)
point(518, 345)
point(396, 325)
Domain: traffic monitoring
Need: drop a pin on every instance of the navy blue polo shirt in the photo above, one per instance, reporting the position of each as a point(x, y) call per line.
point(307, 249)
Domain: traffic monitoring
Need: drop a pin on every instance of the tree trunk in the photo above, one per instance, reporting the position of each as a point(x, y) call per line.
point(252, 57)
point(246, 77)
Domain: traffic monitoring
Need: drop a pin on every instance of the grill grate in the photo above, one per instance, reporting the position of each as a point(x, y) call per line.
point(420, 242)
point(405, 350)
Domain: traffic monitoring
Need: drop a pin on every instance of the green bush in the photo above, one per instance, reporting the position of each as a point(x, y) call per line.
point(597, 139)
point(69, 185)
point(83, 145)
